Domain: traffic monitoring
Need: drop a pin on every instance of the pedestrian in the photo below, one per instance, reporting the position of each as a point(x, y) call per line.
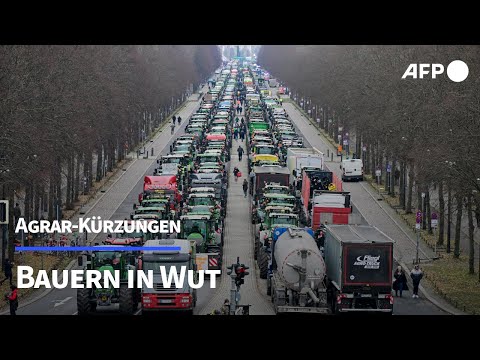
point(7, 270)
point(240, 153)
point(242, 135)
point(173, 128)
point(235, 172)
point(416, 276)
point(236, 120)
point(242, 121)
point(400, 283)
point(12, 299)
point(174, 118)
point(235, 133)
point(245, 187)
point(179, 119)
point(225, 310)
point(241, 109)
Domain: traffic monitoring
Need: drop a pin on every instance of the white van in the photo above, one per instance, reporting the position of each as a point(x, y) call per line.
point(352, 169)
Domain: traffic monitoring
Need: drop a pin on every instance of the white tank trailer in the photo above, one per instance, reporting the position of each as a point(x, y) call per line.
point(297, 280)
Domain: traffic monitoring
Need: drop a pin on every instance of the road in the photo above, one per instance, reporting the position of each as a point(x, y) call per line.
point(116, 203)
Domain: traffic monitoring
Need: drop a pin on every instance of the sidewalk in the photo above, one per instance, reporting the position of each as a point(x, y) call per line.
point(239, 243)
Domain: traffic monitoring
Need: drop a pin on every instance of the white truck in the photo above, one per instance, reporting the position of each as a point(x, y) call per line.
point(298, 158)
point(352, 169)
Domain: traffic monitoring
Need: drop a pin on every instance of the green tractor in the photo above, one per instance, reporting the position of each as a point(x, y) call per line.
point(204, 229)
point(88, 299)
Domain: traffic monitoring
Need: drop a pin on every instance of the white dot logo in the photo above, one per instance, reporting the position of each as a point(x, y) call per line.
point(457, 71)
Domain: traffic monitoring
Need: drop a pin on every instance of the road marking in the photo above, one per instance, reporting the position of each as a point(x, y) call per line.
point(61, 302)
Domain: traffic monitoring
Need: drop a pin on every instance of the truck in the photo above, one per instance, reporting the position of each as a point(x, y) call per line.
point(315, 179)
point(332, 207)
point(297, 278)
point(298, 158)
point(359, 261)
point(272, 82)
point(165, 185)
point(267, 174)
point(160, 297)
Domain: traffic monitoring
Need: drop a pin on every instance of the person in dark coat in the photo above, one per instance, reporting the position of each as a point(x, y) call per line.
point(7, 269)
point(235, 133)
point(240, 151)
point(245, 187)
point(174, 118)
point(400, 283)
point(416, 275)
point(242, 134)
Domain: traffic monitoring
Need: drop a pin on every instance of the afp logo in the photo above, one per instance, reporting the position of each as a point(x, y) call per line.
point(457, 71)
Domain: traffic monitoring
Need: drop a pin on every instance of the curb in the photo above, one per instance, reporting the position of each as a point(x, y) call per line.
point(43, 294)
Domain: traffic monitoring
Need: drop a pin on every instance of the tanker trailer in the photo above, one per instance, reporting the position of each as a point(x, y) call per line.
point(296, 282)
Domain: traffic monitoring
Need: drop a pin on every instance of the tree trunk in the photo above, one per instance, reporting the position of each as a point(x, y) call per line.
point(36, 203)
point(471, 242)
point(411, 179)
point(392, 177)
point(449, 218)
point(99, 163)
point(402, 185)
point(428, 210)
point(69, 184)
point(51, 196)
point(458, 224)
point(28, 201)
point(441, 215)
point(371, 157)
point(419, 200)
point(11, 229)
point(76, 187)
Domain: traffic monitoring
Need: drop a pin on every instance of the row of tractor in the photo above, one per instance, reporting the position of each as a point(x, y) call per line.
point(189, 184)
point(316, 253)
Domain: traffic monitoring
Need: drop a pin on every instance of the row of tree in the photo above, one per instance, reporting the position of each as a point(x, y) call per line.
point(426, 129)
point(68, 113)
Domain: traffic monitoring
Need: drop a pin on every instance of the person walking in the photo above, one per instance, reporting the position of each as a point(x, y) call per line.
point(172, 127)
point(400, 283)
point(242, 134)
point(7, 269)
point(174, 118)
point(245, 187)
point(416, 275)
point(235, 173)
point(225, 309)
point(12, 299)
point(179, 119)
point(240, 151)
point(235, 133)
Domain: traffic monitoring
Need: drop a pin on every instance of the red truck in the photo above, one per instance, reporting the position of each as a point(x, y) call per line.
point(316, 179)
point(332, 207)
point(164, 184)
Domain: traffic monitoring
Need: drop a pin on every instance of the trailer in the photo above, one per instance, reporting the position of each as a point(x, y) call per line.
point(268, 174)
point(298, 158)
point(359, 260)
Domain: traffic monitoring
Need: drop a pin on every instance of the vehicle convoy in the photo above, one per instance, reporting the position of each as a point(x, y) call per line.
point(297, 281)
point(162, 297)
point(89, 299)
point(359, 260)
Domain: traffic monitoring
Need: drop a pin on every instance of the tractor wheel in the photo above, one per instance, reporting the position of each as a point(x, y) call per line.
point(83, 301)
point(263, 263)
point(126, 300)
point(257, 245)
